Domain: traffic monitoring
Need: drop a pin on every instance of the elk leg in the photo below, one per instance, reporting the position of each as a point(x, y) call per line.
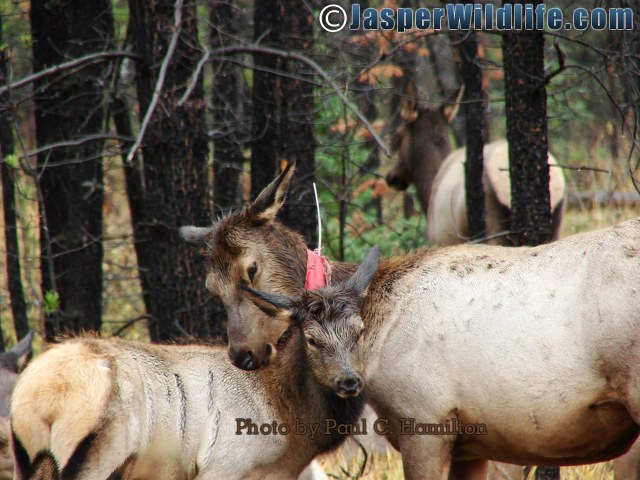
point(475, 470)
point(426, 457)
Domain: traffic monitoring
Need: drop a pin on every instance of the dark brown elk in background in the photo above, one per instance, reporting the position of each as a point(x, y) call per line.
point(425, 158)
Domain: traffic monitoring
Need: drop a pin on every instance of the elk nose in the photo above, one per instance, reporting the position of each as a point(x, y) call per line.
point(349, 386)
point(396, 182)
point(243, 359)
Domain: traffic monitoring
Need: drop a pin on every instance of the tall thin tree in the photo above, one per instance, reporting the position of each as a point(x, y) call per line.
point(474, 134)
point(68, 112)
point(14, 278)
point(227, 103)
point(526, 106)
point(297, 140)
point(173, 180)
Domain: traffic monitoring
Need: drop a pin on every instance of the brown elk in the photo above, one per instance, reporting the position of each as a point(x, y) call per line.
point(252, 248)
point(110, 408)
point(425, 158)
point(537, 368)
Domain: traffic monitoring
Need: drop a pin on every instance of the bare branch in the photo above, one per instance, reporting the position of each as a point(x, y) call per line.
point(74, 143)
point(194, 78)
point(75, 63)
point(226, 51)
point(161, 77)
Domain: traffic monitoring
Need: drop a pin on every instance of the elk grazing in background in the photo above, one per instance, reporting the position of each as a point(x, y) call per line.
point(110, 408)
point(537, 367)
point(426, 160)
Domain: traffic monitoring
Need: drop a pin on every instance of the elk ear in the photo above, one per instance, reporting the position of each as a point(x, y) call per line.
point(451, 106)
point(367, 269)
point(20, 352)
point(266, 206)
point(272, 304)
point(195, 236)
point(409, 105)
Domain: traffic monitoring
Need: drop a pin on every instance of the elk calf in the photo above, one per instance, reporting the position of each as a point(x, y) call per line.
point(109, 407)
point(520, 355)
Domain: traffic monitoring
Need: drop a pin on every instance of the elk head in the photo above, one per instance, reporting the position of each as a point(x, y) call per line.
point(330, 323)
point(250, 248)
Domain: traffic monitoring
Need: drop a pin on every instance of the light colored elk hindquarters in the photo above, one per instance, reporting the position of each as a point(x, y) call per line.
point(93, 403)
point(426, 160)
point(533, 349)
point(447, 211)
point(537, 343)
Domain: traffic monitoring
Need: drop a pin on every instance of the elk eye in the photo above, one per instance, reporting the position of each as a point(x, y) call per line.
point(251, 271)
point(312, 343)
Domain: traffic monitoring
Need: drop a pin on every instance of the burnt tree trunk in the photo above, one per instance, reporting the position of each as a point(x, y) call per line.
point(68, 108)
point(228, 159)
point(526, 108)
point(7, 172)
point(474, 134)
point(265, 99)
point(174, 173)
point(297, 140)
point(283, 113)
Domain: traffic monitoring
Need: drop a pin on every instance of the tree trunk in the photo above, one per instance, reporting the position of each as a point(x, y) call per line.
point(265, 99)
point(526, 108)
point(174, 172)
point(297, 141)
point(68, 108)
point(7, 172)
point(283, 113)
point(228, 159)
point(474, 133)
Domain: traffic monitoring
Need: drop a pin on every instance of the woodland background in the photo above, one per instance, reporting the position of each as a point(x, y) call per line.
point(122, 121)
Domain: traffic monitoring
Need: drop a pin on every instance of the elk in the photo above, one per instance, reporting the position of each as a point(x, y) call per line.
point(537, 367)
point(99, 408)
point(425, 158)
point(11, 362)
point(475, 294)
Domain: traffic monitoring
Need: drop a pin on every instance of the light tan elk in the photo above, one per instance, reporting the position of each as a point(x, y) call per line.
point(94, 406)
point(426, 160)
point(531, 341)
point(538, 367)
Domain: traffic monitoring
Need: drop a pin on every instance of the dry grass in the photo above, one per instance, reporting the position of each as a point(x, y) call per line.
point(388, 466)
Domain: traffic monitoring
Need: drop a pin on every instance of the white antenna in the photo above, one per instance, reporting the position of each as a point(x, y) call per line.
point(315, 192)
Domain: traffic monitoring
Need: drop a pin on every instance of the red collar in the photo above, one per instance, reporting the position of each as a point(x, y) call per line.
point(318, 270)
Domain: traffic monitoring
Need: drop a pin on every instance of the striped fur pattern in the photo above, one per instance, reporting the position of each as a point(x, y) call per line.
point(94, 409)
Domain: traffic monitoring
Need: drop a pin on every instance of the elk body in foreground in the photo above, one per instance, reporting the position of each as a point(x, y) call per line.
point(108, 407)
point(425, 158)
point(538, 366)
point(533, 342)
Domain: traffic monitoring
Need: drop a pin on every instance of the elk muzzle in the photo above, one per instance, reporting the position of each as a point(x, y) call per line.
point(247, 359)
point(349, 385)
point(396, 181)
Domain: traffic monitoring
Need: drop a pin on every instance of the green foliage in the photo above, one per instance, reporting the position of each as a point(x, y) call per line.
point(346, 186)
point(12, 160)
point(51, 302)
